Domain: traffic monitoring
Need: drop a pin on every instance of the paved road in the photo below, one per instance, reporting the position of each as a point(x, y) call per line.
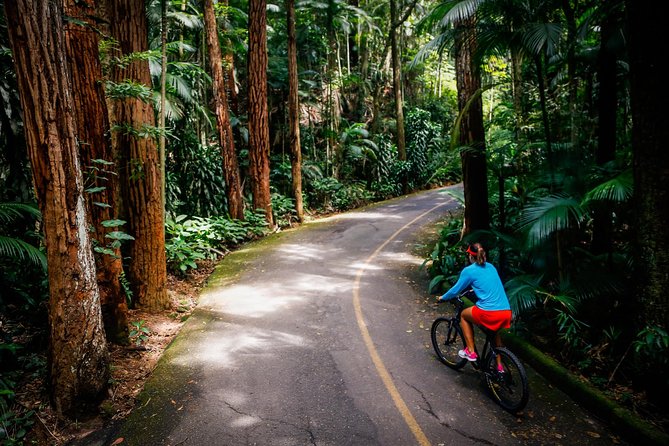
point(321, 337)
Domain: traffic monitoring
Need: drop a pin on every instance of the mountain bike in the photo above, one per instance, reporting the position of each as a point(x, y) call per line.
point(509, 388)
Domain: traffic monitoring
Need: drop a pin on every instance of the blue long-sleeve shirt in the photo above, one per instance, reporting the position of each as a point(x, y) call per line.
point(487, 285)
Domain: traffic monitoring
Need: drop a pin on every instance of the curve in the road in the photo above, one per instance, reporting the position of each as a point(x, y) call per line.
point(373, 353)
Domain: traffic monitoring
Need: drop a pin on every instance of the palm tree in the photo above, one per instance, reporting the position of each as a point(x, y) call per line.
point(17, 248)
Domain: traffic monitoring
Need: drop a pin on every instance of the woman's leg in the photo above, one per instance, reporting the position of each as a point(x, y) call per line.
point(466, 320)
point(498, 343)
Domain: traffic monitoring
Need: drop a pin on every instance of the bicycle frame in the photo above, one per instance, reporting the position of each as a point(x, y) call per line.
point(509, 385)
point(489, 347)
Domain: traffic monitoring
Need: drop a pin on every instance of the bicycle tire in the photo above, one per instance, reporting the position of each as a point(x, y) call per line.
point(509, 389)
point(447, 340)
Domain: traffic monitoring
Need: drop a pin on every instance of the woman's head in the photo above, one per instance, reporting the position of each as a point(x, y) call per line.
point(476, 254)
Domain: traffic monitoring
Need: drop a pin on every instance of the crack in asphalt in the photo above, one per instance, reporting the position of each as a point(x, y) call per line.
point(312, 437)
point(430, 411)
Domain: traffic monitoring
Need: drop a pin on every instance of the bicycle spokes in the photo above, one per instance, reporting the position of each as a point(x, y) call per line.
point(509, 387)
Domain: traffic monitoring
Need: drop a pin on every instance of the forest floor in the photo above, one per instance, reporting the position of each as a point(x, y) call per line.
point(131, 366)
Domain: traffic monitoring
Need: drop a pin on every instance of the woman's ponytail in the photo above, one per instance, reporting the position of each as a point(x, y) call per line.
point(476, 250)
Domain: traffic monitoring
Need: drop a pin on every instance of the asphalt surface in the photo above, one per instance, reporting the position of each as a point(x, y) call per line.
point(320, 336)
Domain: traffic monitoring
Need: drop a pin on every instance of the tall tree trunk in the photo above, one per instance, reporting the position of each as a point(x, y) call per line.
point(163, 99)
point(92, 124)
point(544, 117)
point(333, 105)
point(139, 165)
point(650, 134)
point(517, 85)
point(294, 112)
point(607, 100)
point(77, 356)
point(225, 137)
point(397, 88)
point(572, 82)
point(258, 119)
point(472, 133)
point(229, 68)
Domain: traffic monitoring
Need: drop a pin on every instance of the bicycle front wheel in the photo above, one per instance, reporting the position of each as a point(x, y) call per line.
point(509, 388)
point(447, 340)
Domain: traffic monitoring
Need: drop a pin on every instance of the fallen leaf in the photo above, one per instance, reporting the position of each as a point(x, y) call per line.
point(118, 441)
point(593, 434)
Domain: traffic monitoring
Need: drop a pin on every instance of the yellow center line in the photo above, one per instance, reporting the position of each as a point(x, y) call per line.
point(376, 359)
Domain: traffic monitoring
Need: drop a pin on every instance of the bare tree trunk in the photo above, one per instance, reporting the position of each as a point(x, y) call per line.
point(226, 140)
point(650, 134)
point(572, 81)
point(92, 122)
point(397, 82)
point(77, 356)
point(230, 79)
point(163, 99)
point(333, 105)
point(472, 133)
point(294, 112)
point(602, 231)
point(258, 119)
point(397, 90)
point(139, 165)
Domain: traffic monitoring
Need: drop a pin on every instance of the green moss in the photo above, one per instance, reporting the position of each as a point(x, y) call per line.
point(624, 421)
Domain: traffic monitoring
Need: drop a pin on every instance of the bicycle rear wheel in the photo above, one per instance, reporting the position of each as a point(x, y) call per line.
point(509, 388)
point(447, 340)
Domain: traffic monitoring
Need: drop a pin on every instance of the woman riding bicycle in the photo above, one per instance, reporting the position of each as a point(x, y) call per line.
point(492, 309)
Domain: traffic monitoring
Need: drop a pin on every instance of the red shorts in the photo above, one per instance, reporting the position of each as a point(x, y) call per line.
point(492, 320)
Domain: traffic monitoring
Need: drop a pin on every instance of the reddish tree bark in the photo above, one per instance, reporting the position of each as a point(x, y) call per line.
point(294, 112)
point(77, 356)
point(138, 163)
point(92, 123)
point(258, 119)
point(225, 137)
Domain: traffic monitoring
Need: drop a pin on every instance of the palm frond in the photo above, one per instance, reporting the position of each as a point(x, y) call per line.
point(461, 11)
point(18, 249)
point(550, 214)
point(542, 38)
point(522, 292)
point(11, 211)
point(617, 190)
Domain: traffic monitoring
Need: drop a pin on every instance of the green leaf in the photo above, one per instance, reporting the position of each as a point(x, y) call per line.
point(118, 235)
point(549, 215)
point(102, 250)
point(113, 223)
point(101, 161)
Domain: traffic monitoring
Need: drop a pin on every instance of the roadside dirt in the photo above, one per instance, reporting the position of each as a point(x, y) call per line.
point(131, 366)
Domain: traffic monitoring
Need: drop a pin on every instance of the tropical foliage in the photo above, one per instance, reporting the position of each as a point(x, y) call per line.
point(561, 200)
